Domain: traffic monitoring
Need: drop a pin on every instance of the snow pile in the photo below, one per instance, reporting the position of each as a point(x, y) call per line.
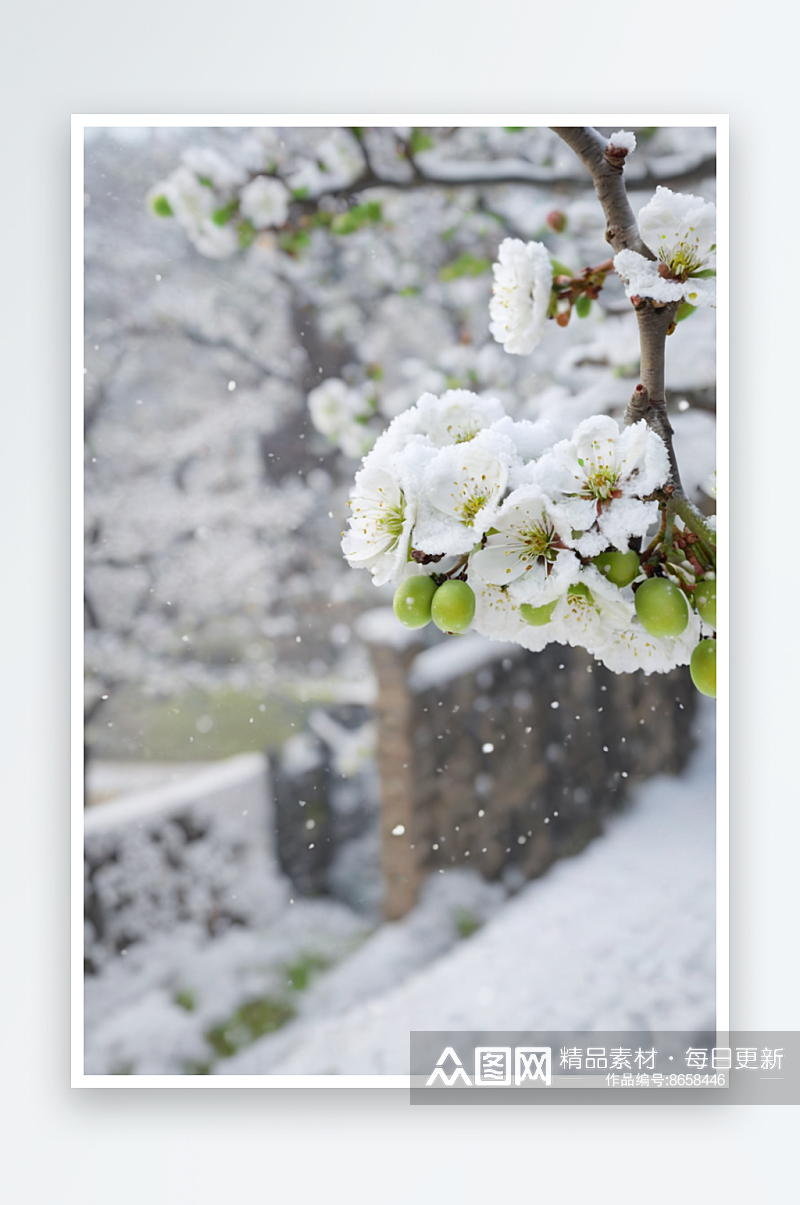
point(181, 1003)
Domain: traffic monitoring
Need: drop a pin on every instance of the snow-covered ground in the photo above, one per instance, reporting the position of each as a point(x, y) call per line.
point(620, 937)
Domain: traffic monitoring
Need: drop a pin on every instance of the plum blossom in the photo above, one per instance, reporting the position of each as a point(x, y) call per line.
point(462, 489)
point(523, 543)
point(498, 617)
point(194, 205)
point(381, 520)
point(597, 479)
point(523, 278)
point(587, 610)
point(628, 647)
point(265, 202)
point(457, 416)
point(681, 231)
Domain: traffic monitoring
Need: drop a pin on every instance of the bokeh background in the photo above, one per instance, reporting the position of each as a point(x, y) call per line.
point(250, 711)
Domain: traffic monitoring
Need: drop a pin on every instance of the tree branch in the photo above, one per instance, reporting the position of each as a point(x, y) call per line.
point(655, 319)
point(622, 229)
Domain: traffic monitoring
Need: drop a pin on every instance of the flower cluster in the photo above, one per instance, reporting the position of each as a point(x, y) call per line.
point(218, 204)
point(457, 489)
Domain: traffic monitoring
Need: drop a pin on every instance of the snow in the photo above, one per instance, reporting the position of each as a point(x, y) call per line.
point(623, 140)
point(211, 779)
point(621, 937)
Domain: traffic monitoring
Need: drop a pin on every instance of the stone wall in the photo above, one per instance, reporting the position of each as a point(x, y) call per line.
point(493, 757)
point(197, 852)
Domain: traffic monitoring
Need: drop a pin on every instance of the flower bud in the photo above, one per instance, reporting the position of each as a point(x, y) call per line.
point(557, 221)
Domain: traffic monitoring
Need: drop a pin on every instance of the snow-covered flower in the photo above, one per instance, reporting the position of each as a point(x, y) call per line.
point(456, 417)
point(334, 405)
point(340, 412)
point(463, 486)
point(523, 542)
point(341, 156)
point(628, 647)
point(523, 278)
point(191, 202)
point(381, 520)
point(498, 617)
point(597, 480)
point(586, 609)
point(681, 231)
point(265, 202)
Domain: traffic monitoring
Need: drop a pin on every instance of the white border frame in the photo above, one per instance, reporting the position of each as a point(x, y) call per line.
point(79, 124)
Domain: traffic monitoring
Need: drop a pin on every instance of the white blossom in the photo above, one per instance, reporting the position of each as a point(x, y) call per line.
point(524, 541)
point(341, 156)
point(589, 610)
point(681, 231)
point(597, 479)
point(194, 204)
point(265, 202)
point(498, 617)
point(523, 278)
point(456, 417)
point(191, 202)
point(381, 520)
point(463, 486)
point(628, 647)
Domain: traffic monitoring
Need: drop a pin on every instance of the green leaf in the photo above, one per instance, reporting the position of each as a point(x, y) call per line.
point(300, 194)
point(704, 274)
point(466, 264)
point(356, 217)
point(514, 129)
point(419, 141)
point(685, 311)
point(162, 207)
point(583, 306)
point(220, 217)
point(247, 233)
point(206, 181)
point(560, 269)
